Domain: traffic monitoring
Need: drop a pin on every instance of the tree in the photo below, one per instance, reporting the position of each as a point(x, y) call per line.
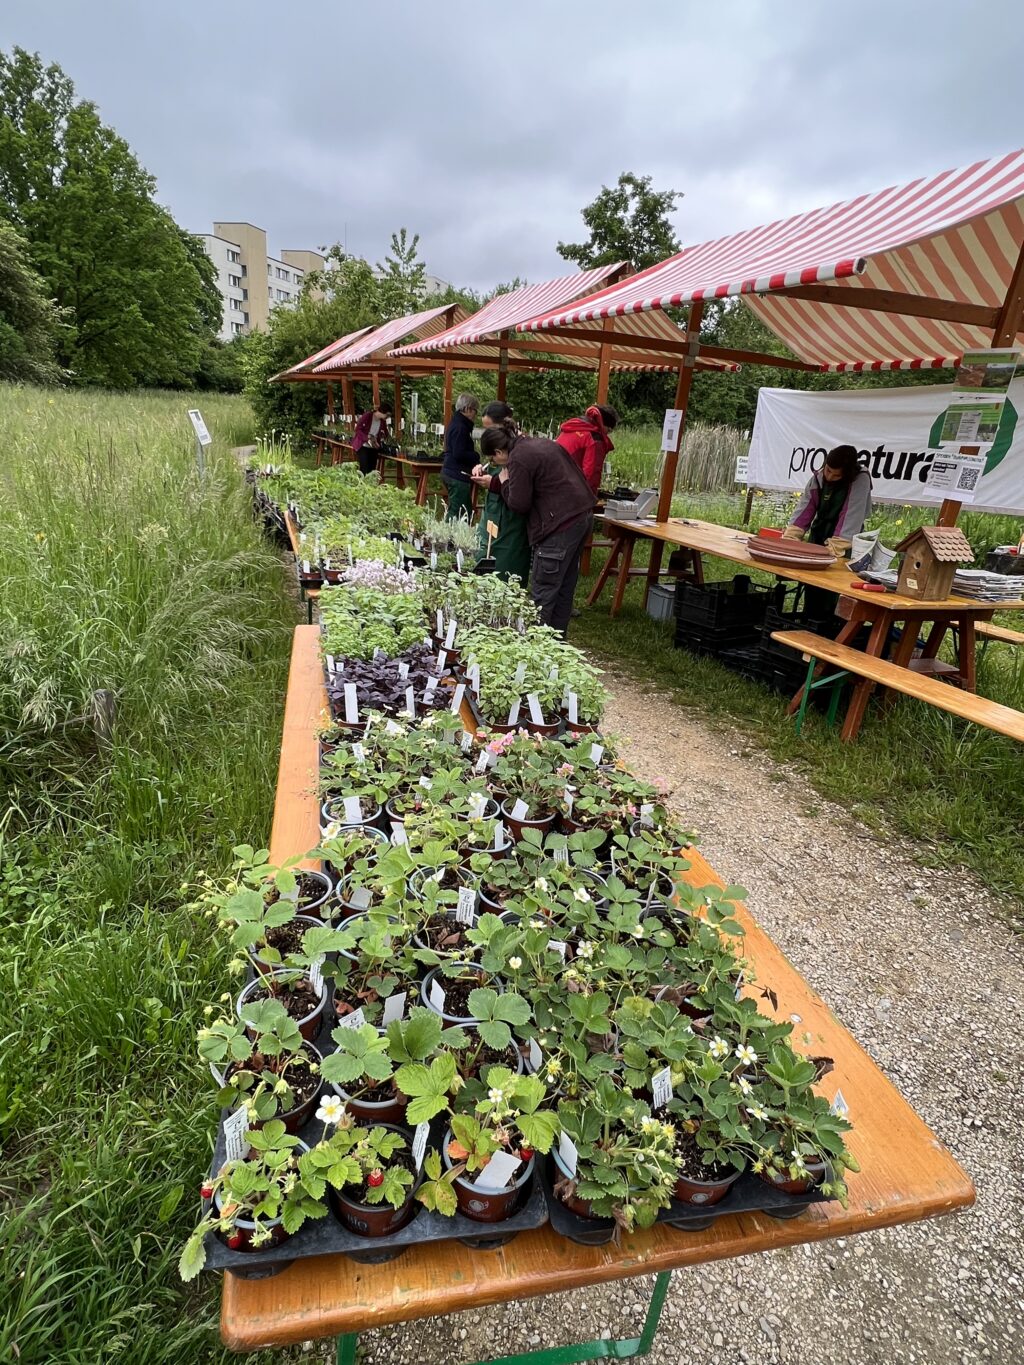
point(402, 276)
point(29, 321)
point(629, 222)
point(137, 305)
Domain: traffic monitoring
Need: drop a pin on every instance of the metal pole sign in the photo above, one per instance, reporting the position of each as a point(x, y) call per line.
point(203, 438)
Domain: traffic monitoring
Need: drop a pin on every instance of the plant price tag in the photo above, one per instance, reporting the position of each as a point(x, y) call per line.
point(557, 946)
point(520, 674)
point(596, 753)
point(410, 702)
point(316, 973)
point(460, 692)
point(351, 703)
point(513, 713)
point(437, 996)
point(536, 713)
point(354, 1020)
point(353, 810)
point(536, 1056)
point(567, 1152)
point(465, 908)
point(572, 706)
point(394, 1008)
point(520, 810)
point(498, 1171)
point(398, 833)
point(419, 1144)
point(403, 670)
point(235, 1146)
point(661, 1087)
point(839, 1107)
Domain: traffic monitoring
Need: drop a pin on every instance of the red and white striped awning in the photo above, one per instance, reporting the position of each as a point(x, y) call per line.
point(955, 236)
point(379, 342)
point(323, 354)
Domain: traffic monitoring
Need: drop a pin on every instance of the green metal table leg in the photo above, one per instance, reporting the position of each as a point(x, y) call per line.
point(833, 706)
point(806, 696)
point(627, 1349)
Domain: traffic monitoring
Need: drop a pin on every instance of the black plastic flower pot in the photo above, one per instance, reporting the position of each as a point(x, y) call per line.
point(543, 823)
point(295, 1119)
point(489, 1206)
point(276, 939)
point(309, 1022)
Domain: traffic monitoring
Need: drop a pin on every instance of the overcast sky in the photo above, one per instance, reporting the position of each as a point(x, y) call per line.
point(486, 126)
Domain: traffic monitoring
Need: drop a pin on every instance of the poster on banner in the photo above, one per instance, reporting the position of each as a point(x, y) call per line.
point(670, 429)
point(987, 371)
point(897, 436)
point(972, 421)
point(956, 475)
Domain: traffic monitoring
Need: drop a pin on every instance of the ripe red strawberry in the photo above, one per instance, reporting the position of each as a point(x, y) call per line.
point(206, 1190)
point(235, 1241)
point(525, 1153)
point(375, 1178)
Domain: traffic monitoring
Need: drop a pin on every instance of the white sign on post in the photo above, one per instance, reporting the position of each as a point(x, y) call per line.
point(199, 427)
point(670, 428)
point(742, 468)
point(956, 475)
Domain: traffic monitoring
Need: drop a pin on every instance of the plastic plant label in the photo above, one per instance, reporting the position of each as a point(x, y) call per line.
point(360, 897)
point(316, 973)
point(433, 560)
point(557, 946)
point(474, 678)
point(437, 996)
point(519, 677)
point(483, 762)
point(560, 853)
point(466, 741)
point(647, 814)
point(572, 706)
point(513, 713)
point(554, 673)
point(305, 566)
point(439, 622)
point(449, 635)
point(410, 702)
point(426, 783)
point(360, 752)
point(394, 1008)
point(392, 728)
point(520, 810)
point(477, 805)
point(536, 713)
point(235, 1146)
point(419, 1144)
point(353, 810)
point(351, 703)
point(442, 659)
point(327, 561)
point(661, 1087)
point(460, 692)
point(839, 1106)
point(536, 1056)
point(498, 1172)
point(465, 908)
point(331, 666)
point(567, 1152)
point(430, 689)
point(569, 796)
point(458, 560)
point(377, 652)
point(499, 834)
point(403, 670)
point(354, 1020)
point(398, 833)
point(596, 753)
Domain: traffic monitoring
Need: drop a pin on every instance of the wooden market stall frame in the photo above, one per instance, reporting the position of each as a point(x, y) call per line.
point(907, 1174)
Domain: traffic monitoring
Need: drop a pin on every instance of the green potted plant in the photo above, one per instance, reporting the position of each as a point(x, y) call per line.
point(263, 1062)
point(369, 1174)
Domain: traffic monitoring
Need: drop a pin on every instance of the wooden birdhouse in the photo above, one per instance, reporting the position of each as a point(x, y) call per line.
point(930, 557)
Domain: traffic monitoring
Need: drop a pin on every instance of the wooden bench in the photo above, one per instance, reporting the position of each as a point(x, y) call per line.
point(873, 671)
point(1002, 634)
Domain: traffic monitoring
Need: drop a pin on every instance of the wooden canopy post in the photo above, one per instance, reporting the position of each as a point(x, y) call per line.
point(447, 391)
point(376, 388)
point(330, 402)
point(502, 365)
point(348, 396)
point(398, 407)
point(604, 364)
point(1008, 321)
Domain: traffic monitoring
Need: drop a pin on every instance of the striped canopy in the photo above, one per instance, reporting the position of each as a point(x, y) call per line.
point(323, 354)
point(953, 237)
point(422, 324)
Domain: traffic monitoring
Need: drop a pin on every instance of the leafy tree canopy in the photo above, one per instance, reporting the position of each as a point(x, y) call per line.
point(627, 222)
point(29, 321)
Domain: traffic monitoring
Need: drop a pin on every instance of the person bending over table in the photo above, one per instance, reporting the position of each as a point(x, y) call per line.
point(460, 458)
point(835, 502)
point(543, 484)
point(511, 547)
point(587, 441)
point(371, 430)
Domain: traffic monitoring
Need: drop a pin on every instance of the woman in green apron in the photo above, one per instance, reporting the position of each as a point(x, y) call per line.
point(836, 502)
point(510, 548)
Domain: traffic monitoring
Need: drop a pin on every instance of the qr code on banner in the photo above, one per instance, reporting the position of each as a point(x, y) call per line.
point(967, 480)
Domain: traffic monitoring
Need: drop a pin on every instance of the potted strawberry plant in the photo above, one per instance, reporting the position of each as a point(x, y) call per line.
point(262, 1062)
point(369, 1174)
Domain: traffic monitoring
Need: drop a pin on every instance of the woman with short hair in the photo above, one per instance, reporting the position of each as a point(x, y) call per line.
point(460, 457)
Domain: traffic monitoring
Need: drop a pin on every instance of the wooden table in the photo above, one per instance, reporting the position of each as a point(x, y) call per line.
point(339, 446)
point(907, 1174)
point(420, 470)
point(880, 611)
point(308, 595)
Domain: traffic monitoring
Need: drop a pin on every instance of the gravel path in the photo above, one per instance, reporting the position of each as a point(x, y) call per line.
point(925, 975)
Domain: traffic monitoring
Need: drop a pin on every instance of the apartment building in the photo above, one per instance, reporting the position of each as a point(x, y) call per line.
point(251, 281)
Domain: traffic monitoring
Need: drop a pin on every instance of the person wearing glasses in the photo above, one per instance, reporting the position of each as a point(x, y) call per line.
point(460, 457)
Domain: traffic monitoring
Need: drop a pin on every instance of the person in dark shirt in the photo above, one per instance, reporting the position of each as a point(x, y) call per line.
point(460, 457)
point(371, 430)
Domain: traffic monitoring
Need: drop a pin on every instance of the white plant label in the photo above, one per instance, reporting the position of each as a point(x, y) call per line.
point(554, 673)
point(419, 1144)
point(596, 753)
point(392, 728)
point(377, 652)
point(477, 805)
point(536, 1056)
point(572, 706)
point(661, 1087)
point(431, 688)
point(353, 810)
point(403, 670)
point(569, 797)
point(354, 1020)
point(235, 1146)
point(351, 556)
point(442, 659)
point(465, 909)
point(647, 814)
point(466, 741)
point(398, 833)
point(449, 635)
point(394, 1008)
point(498, 1171)
point(499, 834)
point(483, 762)
point(520, 810)
point(433, 560)
point(360, 897)
point(360, 752)
point(567, 1152)
point(458, 560)
point(305, 566)
point(519, 676)
point(437, 996)
point(474, 678)
point(561, 853)
point(536, 713)
point(460, 692)
point(513, 713)
point(439, 621)
point(327, 561)
point(426, 783)
point(351, 703)
point(316, 973)
point(410, 702)
point(839, 1106)
point(557, 946)
point(330, 663)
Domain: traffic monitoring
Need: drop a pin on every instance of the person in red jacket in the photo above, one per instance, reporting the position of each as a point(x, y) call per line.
point(587, 441)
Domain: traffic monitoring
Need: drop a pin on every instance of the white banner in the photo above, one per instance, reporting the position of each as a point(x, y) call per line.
point(895, 432)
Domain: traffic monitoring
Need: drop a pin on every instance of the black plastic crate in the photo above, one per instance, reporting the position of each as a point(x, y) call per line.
point(746, 660)
point(712, 642)
point(734, 602)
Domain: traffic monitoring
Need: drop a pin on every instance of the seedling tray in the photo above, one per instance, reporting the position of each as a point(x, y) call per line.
point(747, 1195)
point(327, 1236)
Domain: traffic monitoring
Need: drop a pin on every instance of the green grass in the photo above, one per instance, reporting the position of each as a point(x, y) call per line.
point(120, 570)
point(913, 771)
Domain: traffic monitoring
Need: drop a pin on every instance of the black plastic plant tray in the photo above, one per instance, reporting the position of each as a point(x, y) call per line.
point(748, 1195)
point(717, 605)
point(327, 1237)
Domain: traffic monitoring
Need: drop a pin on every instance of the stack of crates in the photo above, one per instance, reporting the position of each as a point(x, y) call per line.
point(717, 619)
point(783, 668)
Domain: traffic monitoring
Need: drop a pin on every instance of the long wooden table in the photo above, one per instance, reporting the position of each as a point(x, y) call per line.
point(880, 611)
point(907, 1174)
point(420, 470)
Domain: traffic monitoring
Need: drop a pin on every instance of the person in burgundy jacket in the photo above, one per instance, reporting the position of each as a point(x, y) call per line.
point(371, 429)
point(587, 441)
